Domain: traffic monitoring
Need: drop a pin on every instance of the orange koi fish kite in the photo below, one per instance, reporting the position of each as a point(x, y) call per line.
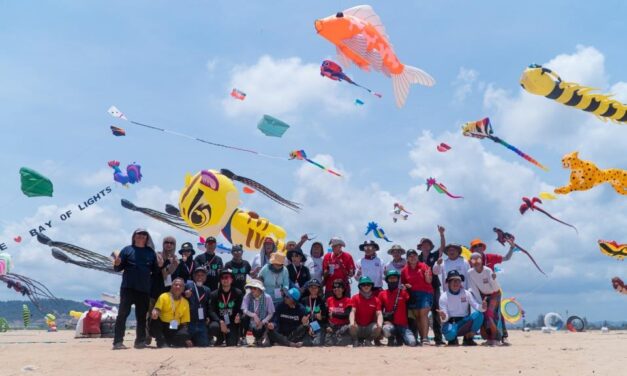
point(360, 38)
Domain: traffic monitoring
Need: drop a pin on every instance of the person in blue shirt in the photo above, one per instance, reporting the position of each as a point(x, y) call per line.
point(198, 295)
point(138, 262)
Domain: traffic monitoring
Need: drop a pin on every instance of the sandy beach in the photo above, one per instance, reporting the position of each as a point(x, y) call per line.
point(535, 353)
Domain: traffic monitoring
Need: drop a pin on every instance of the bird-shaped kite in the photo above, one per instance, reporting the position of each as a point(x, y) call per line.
point(530, 204)
point(302, 156)
point(398, 211)
point(440, 188)
point(619, 285)
point(505, 237)
point(133, 173)
point(613, 249)
point(333, 71)
point(359, 37)
point(483, 129)
point(376, 231)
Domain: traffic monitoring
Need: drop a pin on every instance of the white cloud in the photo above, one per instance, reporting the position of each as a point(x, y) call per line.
point(464, 84)
point(270, 81)
point(99, 178)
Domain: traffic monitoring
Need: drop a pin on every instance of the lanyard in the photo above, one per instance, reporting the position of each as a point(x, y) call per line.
point(173, 305)
point(225, 301)
point(312, 306)
point(197, 294)
point(210, 261)
point(189, 270)
point(297, 272)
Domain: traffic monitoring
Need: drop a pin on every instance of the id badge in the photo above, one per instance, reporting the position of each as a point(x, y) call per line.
point(168, 280)
point(314, 326)
point(201, 314)
point(174, 325)
point(227, 319)
point(277, 294)
point(297, 285)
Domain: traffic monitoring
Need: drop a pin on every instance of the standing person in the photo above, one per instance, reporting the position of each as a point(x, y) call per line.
point(416, 276)
point(398, 262)
point(161, 282)
point(240, 267)
point(198, 296)
point(290, 323)
point(292, 245)
point(430, 257)
point(263, 257)
point(186, 267)
point(394, 305)
point(315, 262)
point(139, 262)
point(337, 265)
point(225, 311)
point(490, 260)
point(370, 265)
point(212, 262)
point(258, 311)
point(316, 309)
point(298, 272)
point(455, 311)
point(275, 278)
point(170, 318)
point(453, 262)
point(339, 308)
point(483, 285)
point(366, 317)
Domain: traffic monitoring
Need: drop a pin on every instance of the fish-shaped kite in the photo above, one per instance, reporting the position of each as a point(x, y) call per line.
point(117, 131)
point(613, 249)
point(483, 129)
point(505, 237)
point(133, 173)
point(238, 94)
point(530, 204)
point(302, 156)
point(376, 231)
point(440, 188)
point(360, 38)
point(333, 70)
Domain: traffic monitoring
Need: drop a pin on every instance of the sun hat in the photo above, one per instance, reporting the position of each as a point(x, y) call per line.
point(396, 247)
point(255, 283)
point(372, 243)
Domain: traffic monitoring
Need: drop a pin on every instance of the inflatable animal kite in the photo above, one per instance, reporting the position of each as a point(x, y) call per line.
point(376, 231)
point(398, 212)
point(333, 71)
point(505, 237)
point(613, 249)
point(360, 38)
point(530, 204)
point(133, 173)
point(483, 129)
point(440, 188)
point(539, 80)
point(208, 206)
point(585, 175)
point(619, 286)
point(302, 156)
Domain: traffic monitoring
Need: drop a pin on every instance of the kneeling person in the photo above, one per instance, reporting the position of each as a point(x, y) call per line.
point(170, 317)
point(366, 319)
point(258, 310)
point(394, 304)
point(291, 323)
point(225, 311)
point(197, 295)
point(455, 311)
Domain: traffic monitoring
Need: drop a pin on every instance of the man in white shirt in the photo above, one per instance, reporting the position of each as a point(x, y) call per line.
point(453, 262)
point(371, 265)
point(459, 311)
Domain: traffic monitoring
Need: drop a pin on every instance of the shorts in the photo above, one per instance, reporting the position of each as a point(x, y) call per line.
point(420, 300)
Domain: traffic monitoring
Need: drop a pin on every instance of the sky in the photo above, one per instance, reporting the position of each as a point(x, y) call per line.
point(173, 66)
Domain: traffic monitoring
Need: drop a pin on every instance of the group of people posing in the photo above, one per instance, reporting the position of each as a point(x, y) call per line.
point(290, 299)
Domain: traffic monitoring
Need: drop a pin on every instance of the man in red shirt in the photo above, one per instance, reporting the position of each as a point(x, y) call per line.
point(490, 260)
point(366, 318)
point(394, 304)
point(337, 265)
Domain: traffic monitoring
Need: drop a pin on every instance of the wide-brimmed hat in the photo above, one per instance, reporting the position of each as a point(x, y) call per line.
point(396, 247)
point(454, 274)
point(455, 246)
point(200, 269)
point(336, 241)
point(291, 242)
point(187, 247)
point(477, 241)
point(365, 281)
point(255, 283)
point(425, 240)
point(296, 251)
point(277, 259)
point(372, 243)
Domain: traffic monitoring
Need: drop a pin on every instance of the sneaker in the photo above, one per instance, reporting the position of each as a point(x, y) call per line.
point(243, 342)
point(426, 342)
point(119, 346)
point(367, 343)
point(439, 342)
point(469, 342)
point(377, 342)
point(453, 342)
point(356, 343)
point(140, 345)
point(297, 345)
point(505, 342)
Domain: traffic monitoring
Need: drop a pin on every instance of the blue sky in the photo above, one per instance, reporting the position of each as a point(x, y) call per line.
point(66, 62)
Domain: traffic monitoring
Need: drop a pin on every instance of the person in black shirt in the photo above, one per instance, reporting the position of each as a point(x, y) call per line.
point(430, 257)
point(198, 295)
point(212, 262)
point(139, 262)
point(225, 311)
point(316, 309)
point(241, 269)
point(299, 273)
point(186, 267)
point(290, 323)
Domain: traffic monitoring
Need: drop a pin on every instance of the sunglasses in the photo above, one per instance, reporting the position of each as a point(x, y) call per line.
point(338, 287)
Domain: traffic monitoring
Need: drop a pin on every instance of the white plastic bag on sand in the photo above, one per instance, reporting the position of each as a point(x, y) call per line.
point(78, 333)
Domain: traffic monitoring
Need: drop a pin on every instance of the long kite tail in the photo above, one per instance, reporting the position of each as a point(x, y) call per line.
point(530, 257)
point(555, 219)
point(104, 267)
point(322, 167)
point(85, 254)
point(172, 220)
point(261, 188)
point(518, 151)
point(441, 189)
